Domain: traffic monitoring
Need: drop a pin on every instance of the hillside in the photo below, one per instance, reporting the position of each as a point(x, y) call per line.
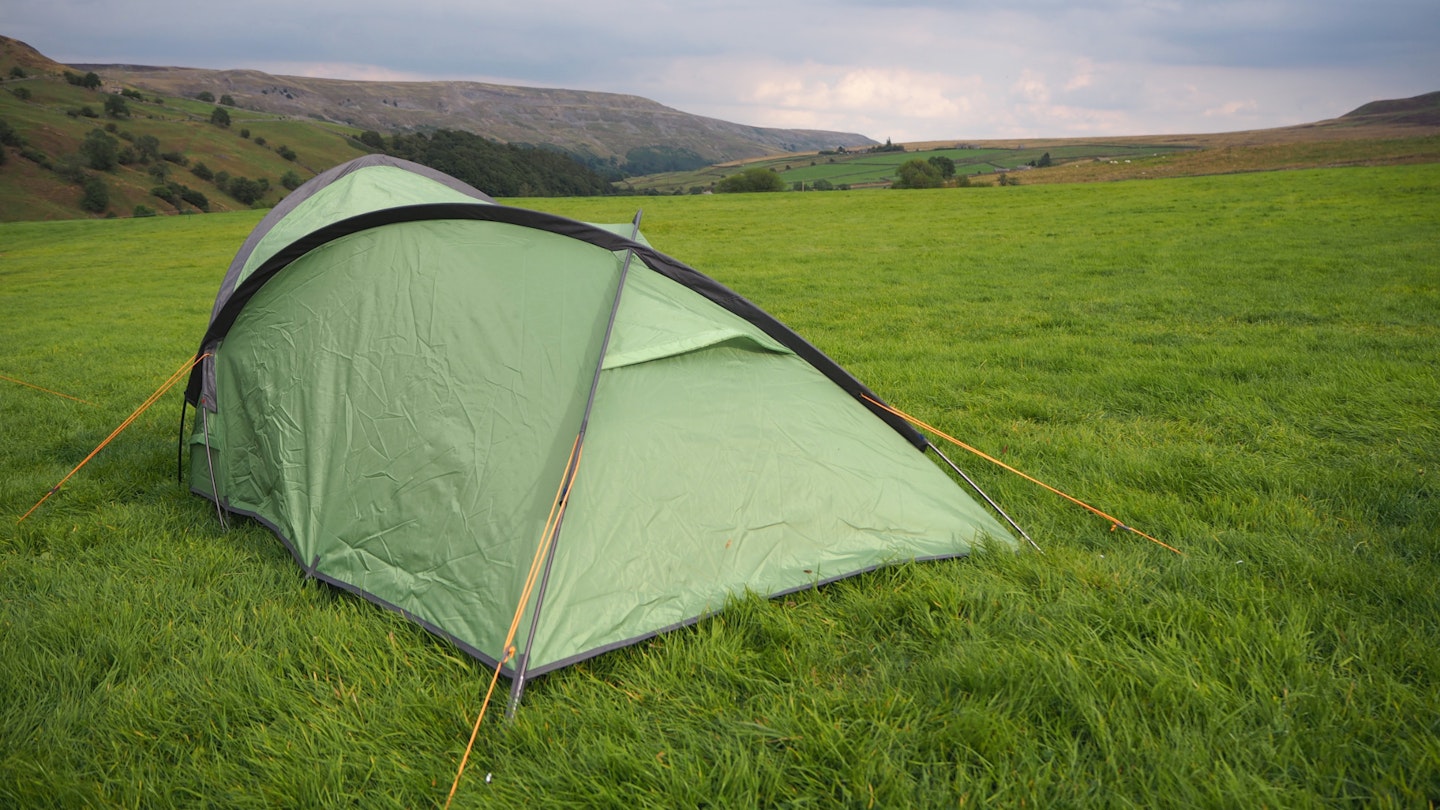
point(282, 130)
point(1421, 110)
point(69, 150)
point(599, 125)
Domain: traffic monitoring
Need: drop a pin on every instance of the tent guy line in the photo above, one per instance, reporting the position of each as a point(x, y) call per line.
point(1115, 522)
point(46, 390)
point(542, 551)
point(151, 400)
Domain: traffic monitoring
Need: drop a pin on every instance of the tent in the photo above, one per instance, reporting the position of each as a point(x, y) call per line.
point(400, 378)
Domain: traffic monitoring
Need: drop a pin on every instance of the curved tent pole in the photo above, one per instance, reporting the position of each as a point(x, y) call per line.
point(517, 683)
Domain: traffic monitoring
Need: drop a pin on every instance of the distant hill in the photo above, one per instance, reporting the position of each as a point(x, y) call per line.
point(603, 126)
point(171, 154)
point(1423, 110)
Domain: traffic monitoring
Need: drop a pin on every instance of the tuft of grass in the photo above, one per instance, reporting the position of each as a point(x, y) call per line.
point(1244, 366)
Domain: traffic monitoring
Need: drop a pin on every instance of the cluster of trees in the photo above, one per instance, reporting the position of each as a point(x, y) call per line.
point(938, 171)
point(244, 190)
point(887, 147)
point(755, 178)
point(818, 185)
point(90, 81)
point(919, 173)
point(503, 170)
point(209, 98)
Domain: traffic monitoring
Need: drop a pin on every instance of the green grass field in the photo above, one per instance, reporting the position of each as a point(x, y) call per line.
point(1246, 366)
point(862, 168)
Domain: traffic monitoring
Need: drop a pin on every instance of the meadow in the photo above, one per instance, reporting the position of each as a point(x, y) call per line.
point(1246, 367)
point(861, 168)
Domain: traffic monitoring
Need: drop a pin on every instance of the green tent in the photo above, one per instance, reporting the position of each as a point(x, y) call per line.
point(397, 369)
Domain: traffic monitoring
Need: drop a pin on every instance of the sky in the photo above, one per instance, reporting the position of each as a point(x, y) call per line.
point(906, 70)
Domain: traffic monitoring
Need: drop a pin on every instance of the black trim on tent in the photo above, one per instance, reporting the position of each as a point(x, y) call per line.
point(226, 313)
point(309, 189)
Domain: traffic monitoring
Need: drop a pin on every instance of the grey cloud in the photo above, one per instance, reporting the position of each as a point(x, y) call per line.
point(709, 56)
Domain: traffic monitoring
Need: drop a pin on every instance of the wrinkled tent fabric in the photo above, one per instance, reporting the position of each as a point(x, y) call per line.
point(398, 369)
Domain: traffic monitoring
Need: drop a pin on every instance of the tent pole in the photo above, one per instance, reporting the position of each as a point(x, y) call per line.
point(180, 445)
point(210, 462)
point(987, 498)
point(517, 683)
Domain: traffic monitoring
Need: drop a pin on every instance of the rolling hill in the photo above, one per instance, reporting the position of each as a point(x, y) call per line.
point(281, 130)
point(597, 125)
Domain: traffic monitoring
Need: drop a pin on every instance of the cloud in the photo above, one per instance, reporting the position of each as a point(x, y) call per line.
point(907, 69)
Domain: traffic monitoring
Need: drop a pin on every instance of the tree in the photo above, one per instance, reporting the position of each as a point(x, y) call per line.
point(1044, 161)
point(245, 190)
point(756, 178)
point(115, 107)
point(17, 72)
point(205, 96)
point(8, 135)
point(227, 100)
point(90, 81)
point(202, 171)
point(290, 180)
point(148, 148)
point(220, 117)
point(372, 139)
point(285, 152)
point(100, 150)
point(195, 198)
point(945, 165)
point(95, 196)
point(918, 173)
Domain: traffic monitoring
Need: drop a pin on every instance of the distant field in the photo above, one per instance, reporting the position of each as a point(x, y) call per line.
point(1105, 160)
point(879, 168)
point(1246, 366)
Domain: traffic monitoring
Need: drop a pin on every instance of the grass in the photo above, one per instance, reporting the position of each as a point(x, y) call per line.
point(862, 168)
point(1245, 366)
point(1077, 161)
point(29, 192)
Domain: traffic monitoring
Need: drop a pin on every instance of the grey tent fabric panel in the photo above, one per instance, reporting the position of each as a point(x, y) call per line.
point(312, 187)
